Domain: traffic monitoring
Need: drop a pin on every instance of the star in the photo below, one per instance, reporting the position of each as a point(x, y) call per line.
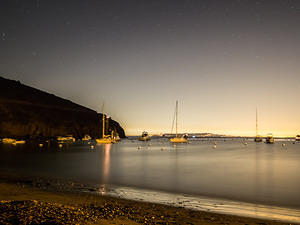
point(3, 36)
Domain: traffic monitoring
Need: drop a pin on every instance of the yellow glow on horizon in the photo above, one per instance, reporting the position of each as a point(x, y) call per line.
point(276, 133)
point(238, 119)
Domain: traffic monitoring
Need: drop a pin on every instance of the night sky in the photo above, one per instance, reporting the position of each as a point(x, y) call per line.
point(220, 59)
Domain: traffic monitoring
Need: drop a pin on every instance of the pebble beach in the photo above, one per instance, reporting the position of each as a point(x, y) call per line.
point(29, 203)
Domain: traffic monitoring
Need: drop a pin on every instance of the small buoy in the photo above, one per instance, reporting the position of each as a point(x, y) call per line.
point(215, 146)
point(283, 144)
point(41, 145)
point(139, 147)
point(162, 148)
point(60, 145)
point(89, 142)
point(92, 146)
point(215, 143)
point(245, 143)
point(174, 145)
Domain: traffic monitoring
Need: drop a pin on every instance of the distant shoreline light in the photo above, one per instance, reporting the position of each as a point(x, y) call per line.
point(235, 134)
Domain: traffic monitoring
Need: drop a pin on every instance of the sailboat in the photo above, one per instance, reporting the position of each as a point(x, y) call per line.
point(145, 136)
point(177, 139)
point(106, 139)
point(8, 140)
point(257, 138)
point(86, 138)
point(269, 139)
point(115, 136)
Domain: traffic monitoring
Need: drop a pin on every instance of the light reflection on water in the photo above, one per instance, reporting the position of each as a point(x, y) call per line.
point(106, 164)
point(258, 173)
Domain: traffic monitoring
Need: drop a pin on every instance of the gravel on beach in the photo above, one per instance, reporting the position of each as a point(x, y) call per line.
point(21, 204)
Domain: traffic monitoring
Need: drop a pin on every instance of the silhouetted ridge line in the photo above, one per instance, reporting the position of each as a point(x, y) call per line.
point(29, 112)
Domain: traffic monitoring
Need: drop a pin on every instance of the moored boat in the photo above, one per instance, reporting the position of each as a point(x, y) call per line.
point(68, 138)
point(106, 139)
point(145, 136)
point(297, 138)
point(257, 138)
point(115, 136)
point(177, 139)
point(8, 140)
point(86, 138)
point(12, 141)
point(19, 142)
point(269, 139)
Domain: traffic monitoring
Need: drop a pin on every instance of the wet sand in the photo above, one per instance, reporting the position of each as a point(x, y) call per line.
point(24, 203)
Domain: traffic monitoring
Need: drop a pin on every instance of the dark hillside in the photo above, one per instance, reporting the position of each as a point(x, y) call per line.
point(29, 112)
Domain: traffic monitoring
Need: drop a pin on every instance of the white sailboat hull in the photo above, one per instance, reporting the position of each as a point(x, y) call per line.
point(146, 138)
point(178, 140)
point(104, 141)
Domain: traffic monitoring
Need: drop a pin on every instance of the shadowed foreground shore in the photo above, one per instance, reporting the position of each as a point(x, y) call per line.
point(21, 204)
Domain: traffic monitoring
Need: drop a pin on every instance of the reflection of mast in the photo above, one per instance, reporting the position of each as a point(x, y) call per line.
point(106, 164)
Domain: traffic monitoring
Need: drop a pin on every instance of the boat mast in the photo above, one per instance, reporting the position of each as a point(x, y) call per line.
point(176, 115)
point(256, 122)
point(103, 121)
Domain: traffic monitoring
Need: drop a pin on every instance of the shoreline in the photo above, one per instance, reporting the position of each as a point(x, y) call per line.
point(29, 202)
point(207, 204)
point(211, 204)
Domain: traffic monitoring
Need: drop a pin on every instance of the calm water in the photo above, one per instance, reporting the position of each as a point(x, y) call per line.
point(257, 173)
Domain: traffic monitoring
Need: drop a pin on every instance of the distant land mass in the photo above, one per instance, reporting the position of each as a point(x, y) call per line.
point(212, 135)
point(199, 135)
point(32, 113)
point(202, 135)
